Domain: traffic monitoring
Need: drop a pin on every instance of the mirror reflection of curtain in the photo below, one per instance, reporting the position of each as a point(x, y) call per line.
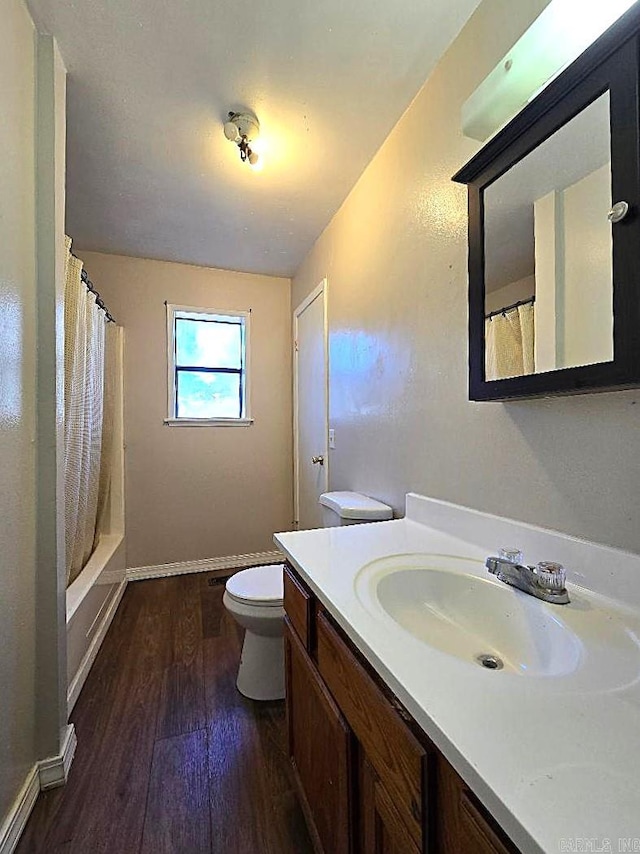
point(509, 343)
point(84, 332)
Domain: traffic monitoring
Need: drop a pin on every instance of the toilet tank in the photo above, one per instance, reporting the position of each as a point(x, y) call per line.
point(352, 508)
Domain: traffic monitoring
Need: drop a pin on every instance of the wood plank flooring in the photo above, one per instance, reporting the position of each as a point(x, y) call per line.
point(171, 759)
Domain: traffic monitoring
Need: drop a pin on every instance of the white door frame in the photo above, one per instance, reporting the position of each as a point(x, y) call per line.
point(319, 291)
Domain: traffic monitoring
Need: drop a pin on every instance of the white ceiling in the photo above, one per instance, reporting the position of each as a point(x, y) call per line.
point(150, 83)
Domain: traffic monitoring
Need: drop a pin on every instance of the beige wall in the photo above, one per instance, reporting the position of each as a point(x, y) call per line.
point(508, 294)
point(17, 400)
point(200, 492)
point(51, 581)
point(32, 626)
point(574, 274)
point(395, 256)
point(588, 272)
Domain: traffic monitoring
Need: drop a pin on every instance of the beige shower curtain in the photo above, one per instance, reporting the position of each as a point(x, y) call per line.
point(84, 354)
point(103, 522)
point(509, 343)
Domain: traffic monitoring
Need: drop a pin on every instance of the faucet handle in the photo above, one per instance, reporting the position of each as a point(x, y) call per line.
point(551, 575)
point(511, 555)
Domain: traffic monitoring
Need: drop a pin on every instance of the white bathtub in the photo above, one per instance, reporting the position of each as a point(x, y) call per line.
point(92, 600)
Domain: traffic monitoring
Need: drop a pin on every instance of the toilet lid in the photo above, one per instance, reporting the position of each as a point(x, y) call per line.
point(262, 585)
point(353, 505)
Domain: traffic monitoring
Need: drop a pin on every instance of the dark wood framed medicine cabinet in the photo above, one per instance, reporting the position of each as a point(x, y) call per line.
point(545, 214)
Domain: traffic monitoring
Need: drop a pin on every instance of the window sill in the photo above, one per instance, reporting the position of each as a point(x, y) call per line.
point(208, 422)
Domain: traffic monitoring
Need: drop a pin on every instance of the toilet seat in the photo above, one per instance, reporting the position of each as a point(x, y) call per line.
point(262, 585)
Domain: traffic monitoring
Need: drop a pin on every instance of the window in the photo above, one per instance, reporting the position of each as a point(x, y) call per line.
point(208, 366)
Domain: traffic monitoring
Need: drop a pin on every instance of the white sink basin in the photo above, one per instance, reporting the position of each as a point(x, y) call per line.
point(454, 605)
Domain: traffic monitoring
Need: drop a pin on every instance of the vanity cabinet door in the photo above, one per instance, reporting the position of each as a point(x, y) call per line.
point(382, 830)
point(477, 833)
point(465, 827)
point(400, 761)
point(320, 750)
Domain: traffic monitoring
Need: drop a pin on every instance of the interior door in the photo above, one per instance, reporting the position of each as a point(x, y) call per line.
point(310, 408)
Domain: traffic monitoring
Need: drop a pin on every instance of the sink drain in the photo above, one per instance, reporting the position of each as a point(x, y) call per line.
point(491, 662)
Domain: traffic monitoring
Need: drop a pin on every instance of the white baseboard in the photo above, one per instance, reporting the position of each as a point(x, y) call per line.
point(54, 771)
point(16, 820)
point(214, 564)
point(115, 576)
point(45, 774)
point(75, 686)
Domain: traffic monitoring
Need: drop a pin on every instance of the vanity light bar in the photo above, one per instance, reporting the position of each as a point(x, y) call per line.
point(559, 35)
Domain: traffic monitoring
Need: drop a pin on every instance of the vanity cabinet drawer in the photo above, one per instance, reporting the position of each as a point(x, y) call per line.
point(298, 604)
point(398, 758)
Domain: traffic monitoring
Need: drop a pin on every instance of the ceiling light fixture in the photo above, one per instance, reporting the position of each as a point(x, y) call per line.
point(243, 128)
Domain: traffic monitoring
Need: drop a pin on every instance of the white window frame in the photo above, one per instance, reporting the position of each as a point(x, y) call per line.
point(171, 419)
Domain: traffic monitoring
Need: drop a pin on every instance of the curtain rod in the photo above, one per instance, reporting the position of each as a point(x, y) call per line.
point(99, 300)
point(509, 307)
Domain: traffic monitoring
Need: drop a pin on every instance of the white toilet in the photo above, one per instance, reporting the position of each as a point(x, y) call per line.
point(254, 597)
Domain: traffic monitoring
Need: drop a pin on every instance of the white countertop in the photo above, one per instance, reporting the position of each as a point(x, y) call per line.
point(555, 759)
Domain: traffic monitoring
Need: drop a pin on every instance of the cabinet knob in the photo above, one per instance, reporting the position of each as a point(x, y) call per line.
point(317, 460)
point(618, 212)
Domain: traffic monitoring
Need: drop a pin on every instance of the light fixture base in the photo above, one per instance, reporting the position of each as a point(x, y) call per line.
point(248, 125)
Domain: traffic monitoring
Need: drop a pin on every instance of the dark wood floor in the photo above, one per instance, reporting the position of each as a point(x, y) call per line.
point(170, 757)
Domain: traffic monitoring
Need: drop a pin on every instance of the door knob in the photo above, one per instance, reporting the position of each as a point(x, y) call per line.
point(618, 212)
point(317, 460)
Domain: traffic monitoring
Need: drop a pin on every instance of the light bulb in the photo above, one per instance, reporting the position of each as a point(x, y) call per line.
point(231, 131)
point(253, 158)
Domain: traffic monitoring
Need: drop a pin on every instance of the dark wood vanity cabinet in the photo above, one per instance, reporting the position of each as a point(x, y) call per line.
point(370, 780)
point(320, 749)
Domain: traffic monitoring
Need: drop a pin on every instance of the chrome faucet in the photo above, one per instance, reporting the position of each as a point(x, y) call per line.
point(545, 581)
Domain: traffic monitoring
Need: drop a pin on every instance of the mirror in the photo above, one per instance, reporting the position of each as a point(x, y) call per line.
point(548, 270)
point(553, 282)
